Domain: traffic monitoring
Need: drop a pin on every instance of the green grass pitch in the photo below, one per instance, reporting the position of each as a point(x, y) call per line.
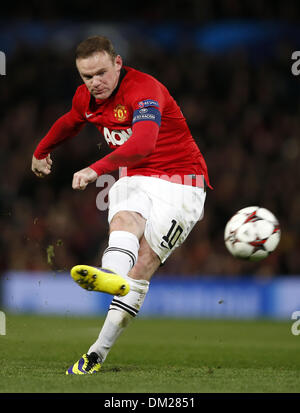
point(152, 356)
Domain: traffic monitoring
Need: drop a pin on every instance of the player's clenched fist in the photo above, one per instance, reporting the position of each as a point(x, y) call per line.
point(84, 177)
point(41, 167)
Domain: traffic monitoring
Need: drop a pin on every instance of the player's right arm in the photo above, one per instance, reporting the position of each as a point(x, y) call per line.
point(66, 127)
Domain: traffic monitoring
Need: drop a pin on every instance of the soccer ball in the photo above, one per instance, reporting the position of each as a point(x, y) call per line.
point(252, 233)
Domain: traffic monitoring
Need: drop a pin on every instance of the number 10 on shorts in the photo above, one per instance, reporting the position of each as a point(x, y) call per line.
point(172, 236)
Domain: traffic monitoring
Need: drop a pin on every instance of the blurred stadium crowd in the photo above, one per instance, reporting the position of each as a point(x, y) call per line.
point(244, 116)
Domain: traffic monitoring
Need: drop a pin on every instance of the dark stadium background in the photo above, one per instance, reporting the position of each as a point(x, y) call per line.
point(228, 65)
point(209, 323)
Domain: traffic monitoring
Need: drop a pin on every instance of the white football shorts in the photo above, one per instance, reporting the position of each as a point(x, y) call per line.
point(171, 210)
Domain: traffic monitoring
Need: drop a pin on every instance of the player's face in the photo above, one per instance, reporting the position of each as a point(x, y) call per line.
point(100, 73)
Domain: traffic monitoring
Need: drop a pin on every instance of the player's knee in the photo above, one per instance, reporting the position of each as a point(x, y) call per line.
point(128, 221)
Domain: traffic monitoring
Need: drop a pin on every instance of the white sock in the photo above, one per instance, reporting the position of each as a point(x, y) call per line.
point(121, 253)
point(121, 311)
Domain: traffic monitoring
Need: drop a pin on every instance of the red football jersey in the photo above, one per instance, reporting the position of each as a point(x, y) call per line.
point(138, 103)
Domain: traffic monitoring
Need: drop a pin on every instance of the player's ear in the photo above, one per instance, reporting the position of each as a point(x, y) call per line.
point(118, 61)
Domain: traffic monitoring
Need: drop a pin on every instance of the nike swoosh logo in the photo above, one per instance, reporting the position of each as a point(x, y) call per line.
point(88, 114)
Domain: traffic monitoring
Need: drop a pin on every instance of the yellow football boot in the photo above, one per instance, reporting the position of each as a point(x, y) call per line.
point(99, 279)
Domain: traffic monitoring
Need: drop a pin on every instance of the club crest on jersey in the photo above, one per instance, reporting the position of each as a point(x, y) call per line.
point(120, 113)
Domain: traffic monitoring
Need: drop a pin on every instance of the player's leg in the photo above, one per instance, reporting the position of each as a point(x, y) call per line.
point(121, 311)
point(126, 228)
point(147, 264)
point(132, 225)
point(128, 212)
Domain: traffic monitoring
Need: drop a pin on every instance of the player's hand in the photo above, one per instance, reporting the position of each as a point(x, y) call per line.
point(41, 167)
point(84, 177)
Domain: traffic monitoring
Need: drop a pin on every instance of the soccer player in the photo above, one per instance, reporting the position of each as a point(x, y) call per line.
point(153, 208)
